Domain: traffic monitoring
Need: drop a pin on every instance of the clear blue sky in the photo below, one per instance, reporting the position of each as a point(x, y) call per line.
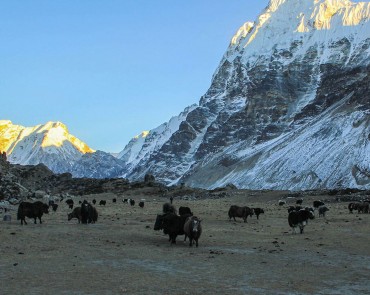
point(110, 69)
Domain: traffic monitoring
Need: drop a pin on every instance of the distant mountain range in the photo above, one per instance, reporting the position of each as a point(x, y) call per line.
point(288, 108)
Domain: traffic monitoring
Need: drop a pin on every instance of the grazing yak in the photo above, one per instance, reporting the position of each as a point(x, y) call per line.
point(31, 210)
point(141, 204)
point(102, 202)
point(363, 207)
point(299, 201)
point(299, 219)
point(132, 202)
point(258, 211)
point(281, 202)
point(76, 213)
point(70, 203)
point(88, 213)
point(193, 229)
point(94, 201)
point(352, 206)
point(242, 212)
point(185, 210)
point(114, 200)
point(323, 210)
point(172, 225)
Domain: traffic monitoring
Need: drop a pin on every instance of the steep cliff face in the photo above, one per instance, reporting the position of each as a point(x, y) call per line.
point(97, 165)
point(288, 106)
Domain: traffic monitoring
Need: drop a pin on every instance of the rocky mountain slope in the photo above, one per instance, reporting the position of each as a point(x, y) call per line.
point(288, 107)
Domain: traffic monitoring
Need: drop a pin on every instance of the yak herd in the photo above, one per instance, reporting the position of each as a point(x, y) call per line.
point(183, 222)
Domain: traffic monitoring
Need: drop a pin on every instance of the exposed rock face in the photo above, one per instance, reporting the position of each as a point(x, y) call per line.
point(97, 165)
point(288, 107)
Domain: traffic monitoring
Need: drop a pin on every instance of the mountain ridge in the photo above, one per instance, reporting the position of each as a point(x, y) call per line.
point(263, 90)
point(288, 108)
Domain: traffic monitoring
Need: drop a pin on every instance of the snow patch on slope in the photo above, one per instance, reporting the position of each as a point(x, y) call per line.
point(141, 147)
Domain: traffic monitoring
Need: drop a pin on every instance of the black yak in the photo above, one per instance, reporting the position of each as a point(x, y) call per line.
point(299, 219)
point(322, 211)
point(70, 203)
point(363, 207)
point(258, 211)
point(242, 212)
point(299, 201)
point(88, 213)
point(172, 225)
point(31, 210)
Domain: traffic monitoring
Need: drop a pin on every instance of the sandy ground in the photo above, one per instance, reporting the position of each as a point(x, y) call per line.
point(122, 254)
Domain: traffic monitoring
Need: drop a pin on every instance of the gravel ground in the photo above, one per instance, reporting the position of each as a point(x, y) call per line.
point(122, 254)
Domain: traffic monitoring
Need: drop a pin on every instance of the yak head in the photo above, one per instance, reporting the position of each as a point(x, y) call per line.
point(195, 224)
point(158, 225)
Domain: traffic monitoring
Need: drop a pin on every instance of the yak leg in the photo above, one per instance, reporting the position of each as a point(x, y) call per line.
point(35, 220)
point(173, 239)
point(196, 243)
point(40, 219)
point(191, 242)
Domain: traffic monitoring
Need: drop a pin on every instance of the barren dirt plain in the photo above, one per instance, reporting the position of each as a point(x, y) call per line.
point(122, 254)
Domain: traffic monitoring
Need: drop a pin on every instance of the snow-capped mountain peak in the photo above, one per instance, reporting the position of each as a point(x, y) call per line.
point(288, 108)
point(284, 21)
point(56, 134)
point(283, 78)
point(49, 143)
